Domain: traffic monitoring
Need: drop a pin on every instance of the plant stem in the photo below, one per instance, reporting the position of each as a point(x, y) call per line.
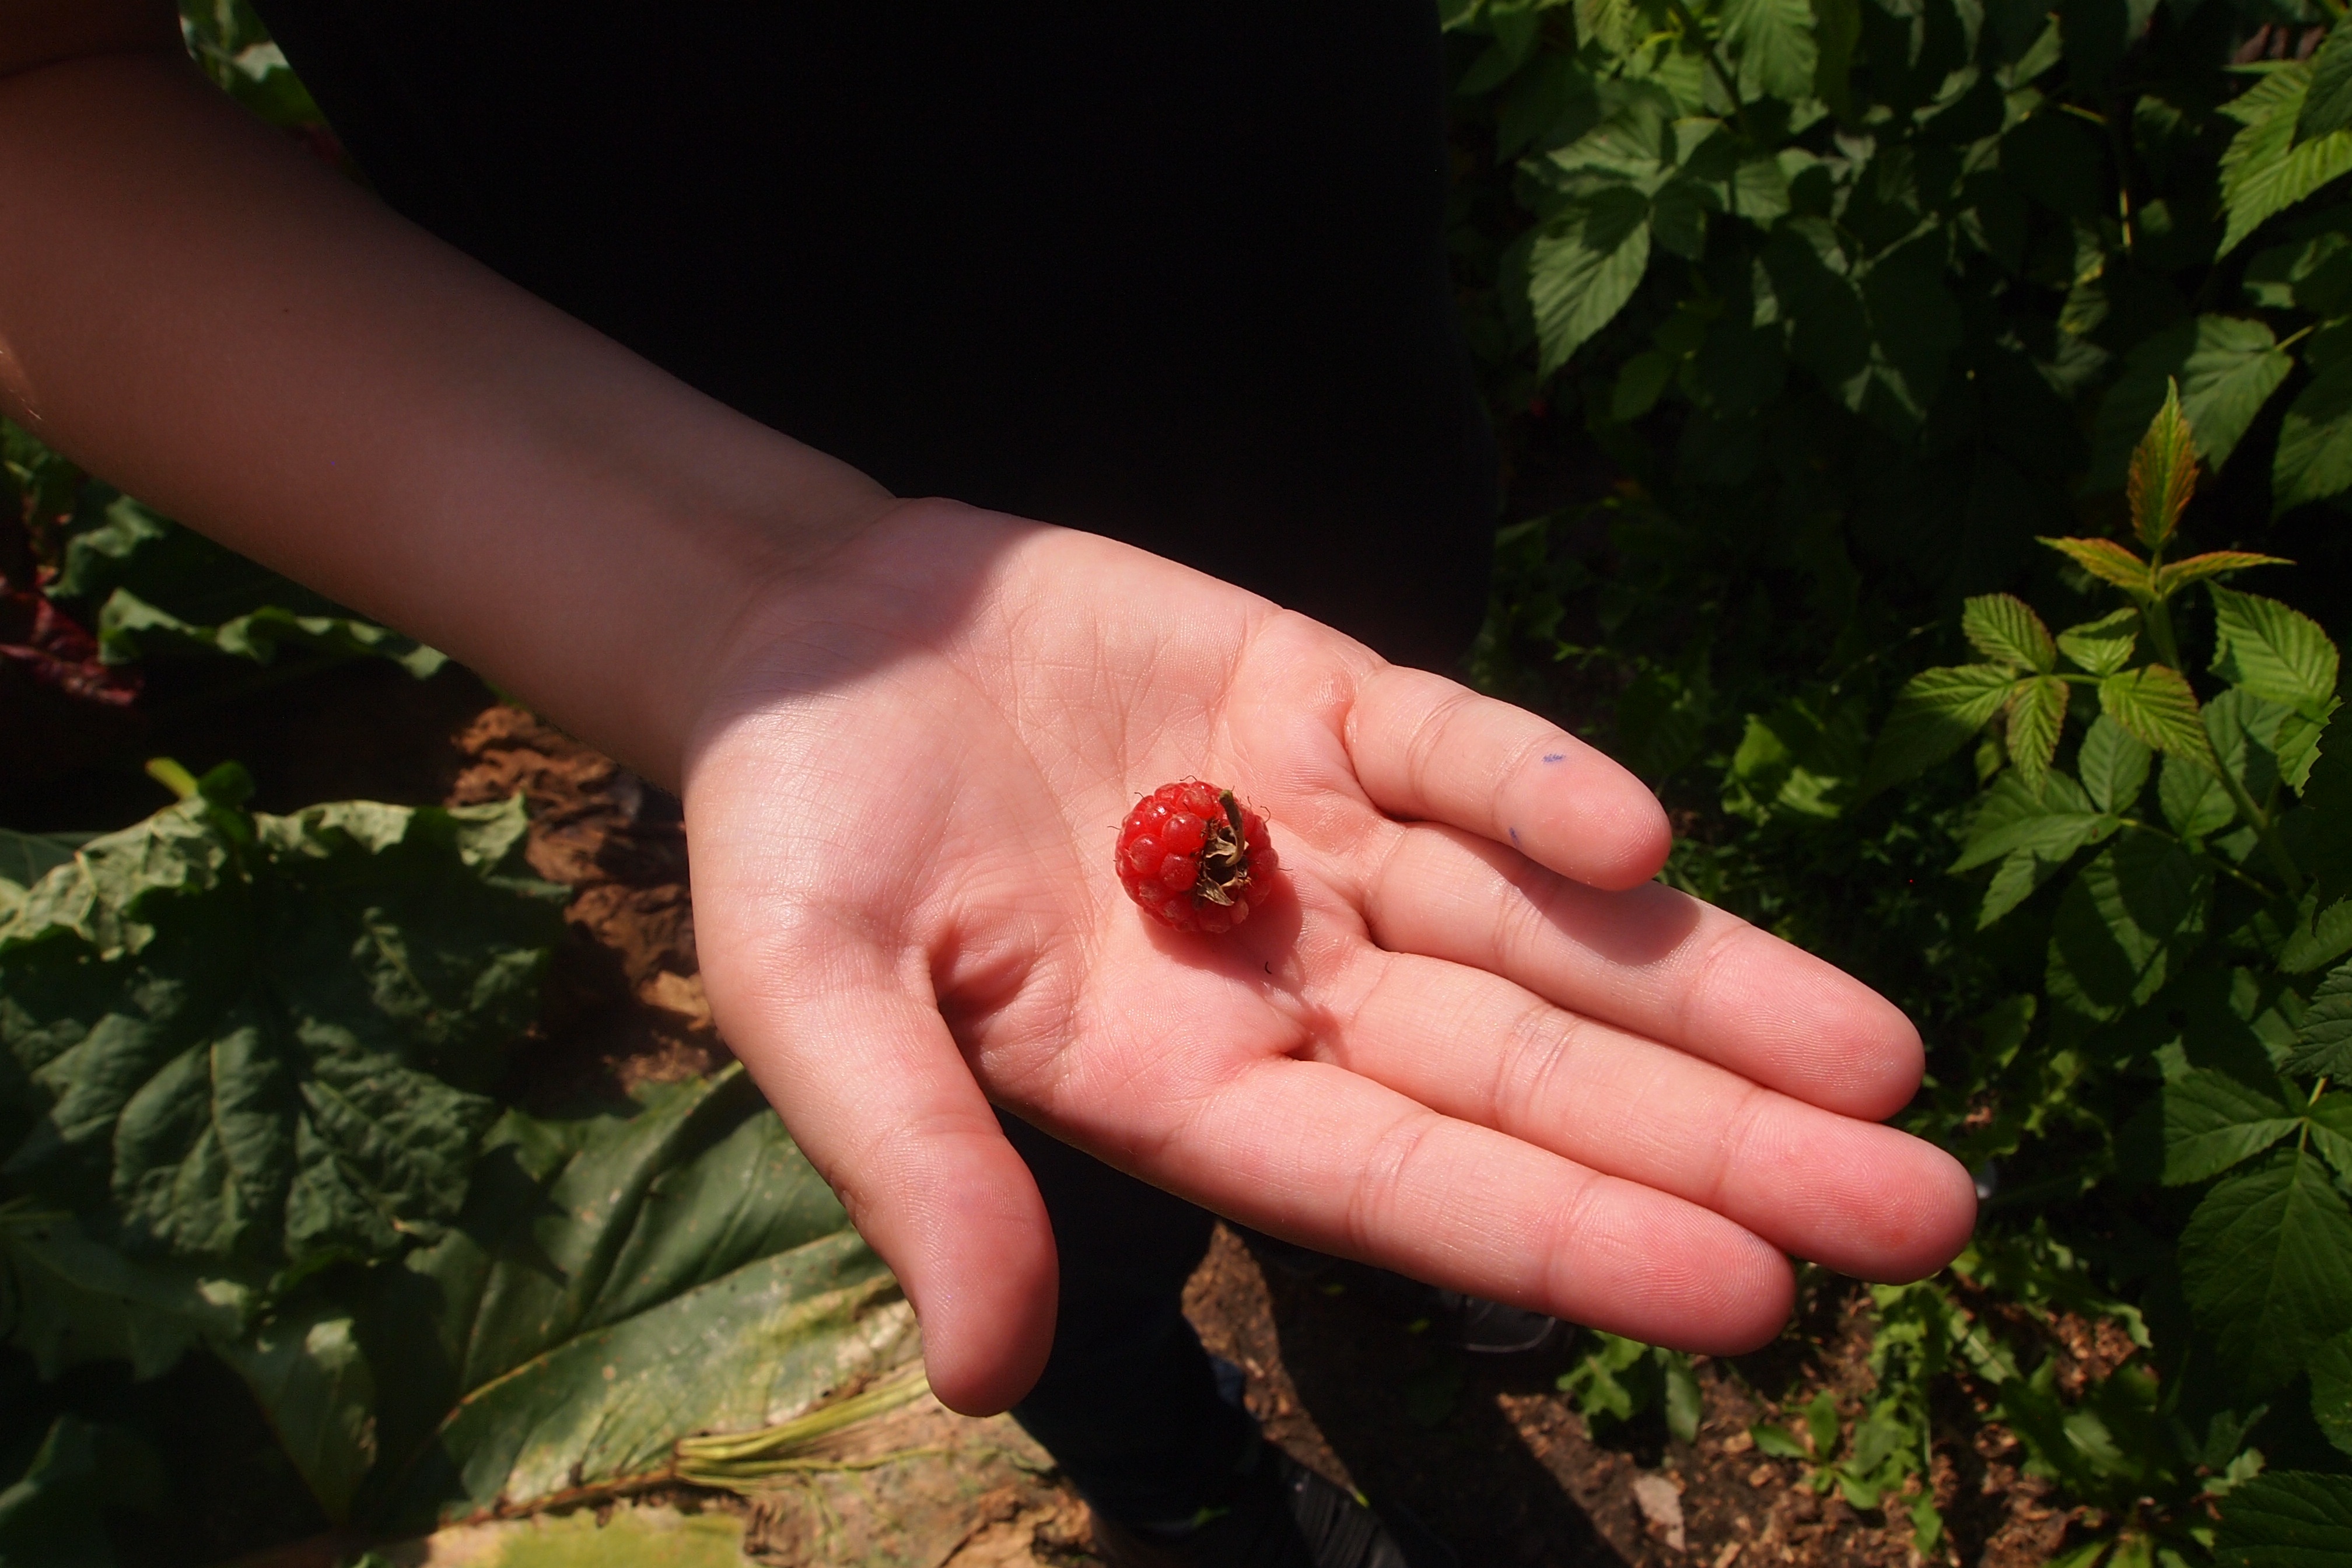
point(1730, 88)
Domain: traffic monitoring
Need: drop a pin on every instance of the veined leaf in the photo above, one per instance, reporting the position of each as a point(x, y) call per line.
point(2315, 447)
point(1616, 24)
point(2287, 1519)
point(1934, 715)
point(2163, 472)
point(2226, 367)
point(2195, 801)
point(2004, 628)
point(2175, 575)
point(309, 1376)
point(2053, 823)
point(2020, 874)
point(2156, 706)
point(2104, 646)
point(2037, 710)
point(26, 858)
point(1773, 42)
point(2327, 101)
point(233, 1032)
point(66, 1300)
point(2125, 926)
point(2330, 1120)
point(2331, 1390)
point(1581, 269)
point(2108, 561)
point(2114, 766)
point(2266, 1262)
point(2212, 1122)
point(2264, 170)
point(2272, 651)
point(2323, 1046)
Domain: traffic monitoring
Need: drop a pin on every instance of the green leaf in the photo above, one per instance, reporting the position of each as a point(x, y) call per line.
point(2113, 764)
point(2331, 1390)
point(2227, 367)
point(233, 1032)
point(1639, 382)
point(2314, 460)
point(2108, 561)
point(2125, 926)
point(2104, 646)
point(2266, 1262)
point(66, 1300)
point(51, 1518)
point(2272, 651)
point(2327, 101)
point(2020, 874)
point(2330, 1119)
point(26, 858)
point(2156, 707)
point(1837, 29)
point(1582, 266)
point(2195, 801)
point(2163, 472)
point(2287, 1519)
point(1616, 24)
point(2053, 822)
point(1773, 42)
point(2212, 1122)
point(1775, 1442)
point(2264, 170)
point(1934, 715)
point(1686, 1406)
point(612, 1286)
point(2037, 709)
point(2175, 575)
point(311, 1381)
point(2323, 1046)
point(2004, 628)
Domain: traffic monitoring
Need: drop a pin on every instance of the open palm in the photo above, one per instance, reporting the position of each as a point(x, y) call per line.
point(1466, 1038)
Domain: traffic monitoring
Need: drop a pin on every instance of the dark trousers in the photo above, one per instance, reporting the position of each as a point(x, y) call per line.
point(1129, 1406)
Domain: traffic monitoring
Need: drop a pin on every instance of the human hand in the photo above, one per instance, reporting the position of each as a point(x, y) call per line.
point(1468, 1039)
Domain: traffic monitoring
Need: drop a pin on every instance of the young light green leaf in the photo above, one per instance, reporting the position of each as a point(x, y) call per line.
point(2108, 561)
point(2287, 1519)
point(2273, 652)
point(2125, 926)
point(2004, 628)
point(2163, 472)
point(2104, 646)
point(2175, 575)
point(2314, 460)
point(2212, 1122)
point(2264, 170)
point(1773, 42)
point(2036, 712)
point(2323, 1046)
point(1581, 269)
point(1686, 1406)
point(2266, 1263)
point(2331, 1390)
point(2114, 766)
point(309, 1376)
point(1935, 714)
point(2226, 367)
point(2327, 101)
point(2156, 706)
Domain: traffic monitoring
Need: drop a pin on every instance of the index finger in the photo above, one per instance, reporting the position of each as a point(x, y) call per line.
point(1428, 749)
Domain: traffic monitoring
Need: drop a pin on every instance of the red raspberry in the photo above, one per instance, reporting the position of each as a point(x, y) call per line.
point(1195, 857)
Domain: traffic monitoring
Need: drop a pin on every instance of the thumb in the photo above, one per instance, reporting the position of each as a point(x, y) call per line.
point(868, 1078)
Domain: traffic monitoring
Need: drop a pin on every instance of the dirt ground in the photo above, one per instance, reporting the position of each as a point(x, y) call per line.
point(1484, 1451)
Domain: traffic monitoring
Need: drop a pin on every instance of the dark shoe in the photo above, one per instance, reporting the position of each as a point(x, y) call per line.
point(1283, 1515)
point(1465, 1322)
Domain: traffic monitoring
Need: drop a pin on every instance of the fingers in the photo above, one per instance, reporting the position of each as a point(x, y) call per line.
point(876, 1093)
point(1426, 749)
point(1654, 961)
point(1863, 1199)
point(1311, 1151)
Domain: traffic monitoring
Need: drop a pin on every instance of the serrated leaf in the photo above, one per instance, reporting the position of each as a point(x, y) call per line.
point(2266, 1263)
point(2108, 561)
point(2163, 472)
point(2264, 170)
point(2212, 1122)
point(1616, 24)
point(2195, 801)
point(131, 628)
point(2327, 101)
point(2158, 707)
point(310, 1377)
point(2053, 823)
point(2125, 926)
point(2020, 874)
point(2287, 1519)
point(2331, 1131)
point(2273, 651)
point(2331, 1390)
point(2314, 460)
point(545, 1339)
point(2104, 646)
point(2114, 766)
point(2004, 628)
point(1582, 266)
point(1934, 715)
point(2037, 710)
point(233, 1032)
point(1773, 42)
point(2175, 575)
point(2226, 367)
point(2323, 1045)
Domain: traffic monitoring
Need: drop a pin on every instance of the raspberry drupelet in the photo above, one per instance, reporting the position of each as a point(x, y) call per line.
point(1195, 857)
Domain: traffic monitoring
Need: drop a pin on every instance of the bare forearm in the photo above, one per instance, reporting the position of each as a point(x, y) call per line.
point(197, 312)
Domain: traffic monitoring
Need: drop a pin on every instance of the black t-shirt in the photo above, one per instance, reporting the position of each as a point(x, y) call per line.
point(1169, 272)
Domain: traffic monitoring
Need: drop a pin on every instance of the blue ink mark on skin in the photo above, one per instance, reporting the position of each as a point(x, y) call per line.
point(1515, 835)
point(1555, 757)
